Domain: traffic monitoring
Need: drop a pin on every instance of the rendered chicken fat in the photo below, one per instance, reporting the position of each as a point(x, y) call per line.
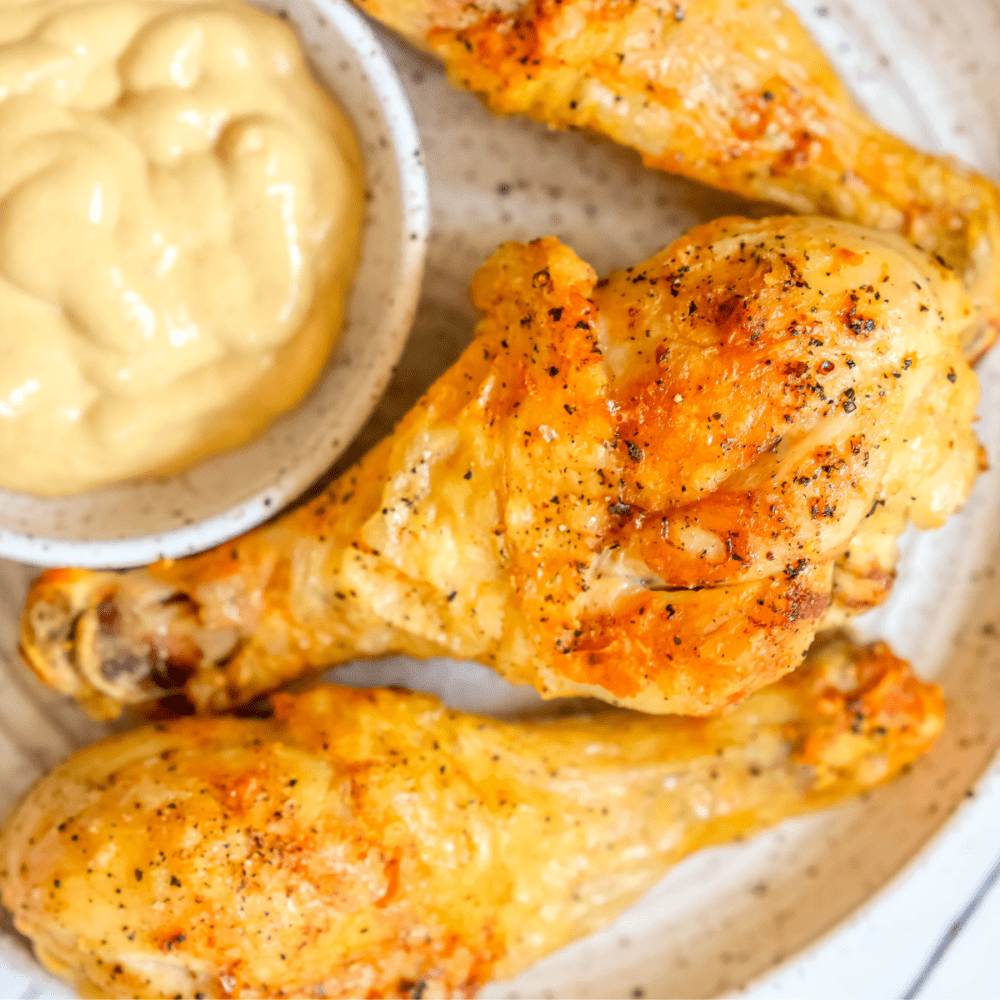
point(180, 207)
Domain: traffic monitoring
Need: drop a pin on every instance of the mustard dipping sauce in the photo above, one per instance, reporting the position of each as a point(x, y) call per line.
point(180, 215)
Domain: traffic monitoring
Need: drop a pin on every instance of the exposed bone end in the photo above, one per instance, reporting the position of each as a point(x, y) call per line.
point(84, 637)
point(49, 635)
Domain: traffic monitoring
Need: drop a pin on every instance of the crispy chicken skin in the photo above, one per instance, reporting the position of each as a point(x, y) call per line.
point(732, 93)
point(374, 843)
point(643, 489)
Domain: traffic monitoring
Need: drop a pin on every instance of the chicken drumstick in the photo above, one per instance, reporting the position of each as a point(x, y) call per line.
point(373, 843)
point(652, 489)
point(732, 93)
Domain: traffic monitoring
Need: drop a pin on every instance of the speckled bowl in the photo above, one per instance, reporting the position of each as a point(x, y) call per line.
point(142, 520)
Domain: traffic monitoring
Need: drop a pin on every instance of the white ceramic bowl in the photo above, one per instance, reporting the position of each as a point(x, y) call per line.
point(139, 521)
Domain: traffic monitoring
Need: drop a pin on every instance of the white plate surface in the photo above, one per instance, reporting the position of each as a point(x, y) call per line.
point(926, 69)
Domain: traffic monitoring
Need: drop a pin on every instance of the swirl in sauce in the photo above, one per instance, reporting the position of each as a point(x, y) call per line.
point(180, 208)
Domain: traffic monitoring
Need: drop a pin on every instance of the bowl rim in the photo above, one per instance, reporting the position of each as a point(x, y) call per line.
point(205, 533)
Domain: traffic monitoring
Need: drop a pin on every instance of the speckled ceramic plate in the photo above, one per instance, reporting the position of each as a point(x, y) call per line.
point(131, 523)
point(927, 70)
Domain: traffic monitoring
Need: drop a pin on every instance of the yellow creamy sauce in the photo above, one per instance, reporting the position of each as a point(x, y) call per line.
point(180, 207)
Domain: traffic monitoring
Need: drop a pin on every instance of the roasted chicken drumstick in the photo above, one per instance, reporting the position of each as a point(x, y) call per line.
point(732, 93)
point(373, 843)
point(653, 489)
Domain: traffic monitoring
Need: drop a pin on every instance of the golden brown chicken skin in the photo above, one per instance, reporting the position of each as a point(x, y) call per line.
point(732, 93)
point(374, 843)
point(643, 488)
